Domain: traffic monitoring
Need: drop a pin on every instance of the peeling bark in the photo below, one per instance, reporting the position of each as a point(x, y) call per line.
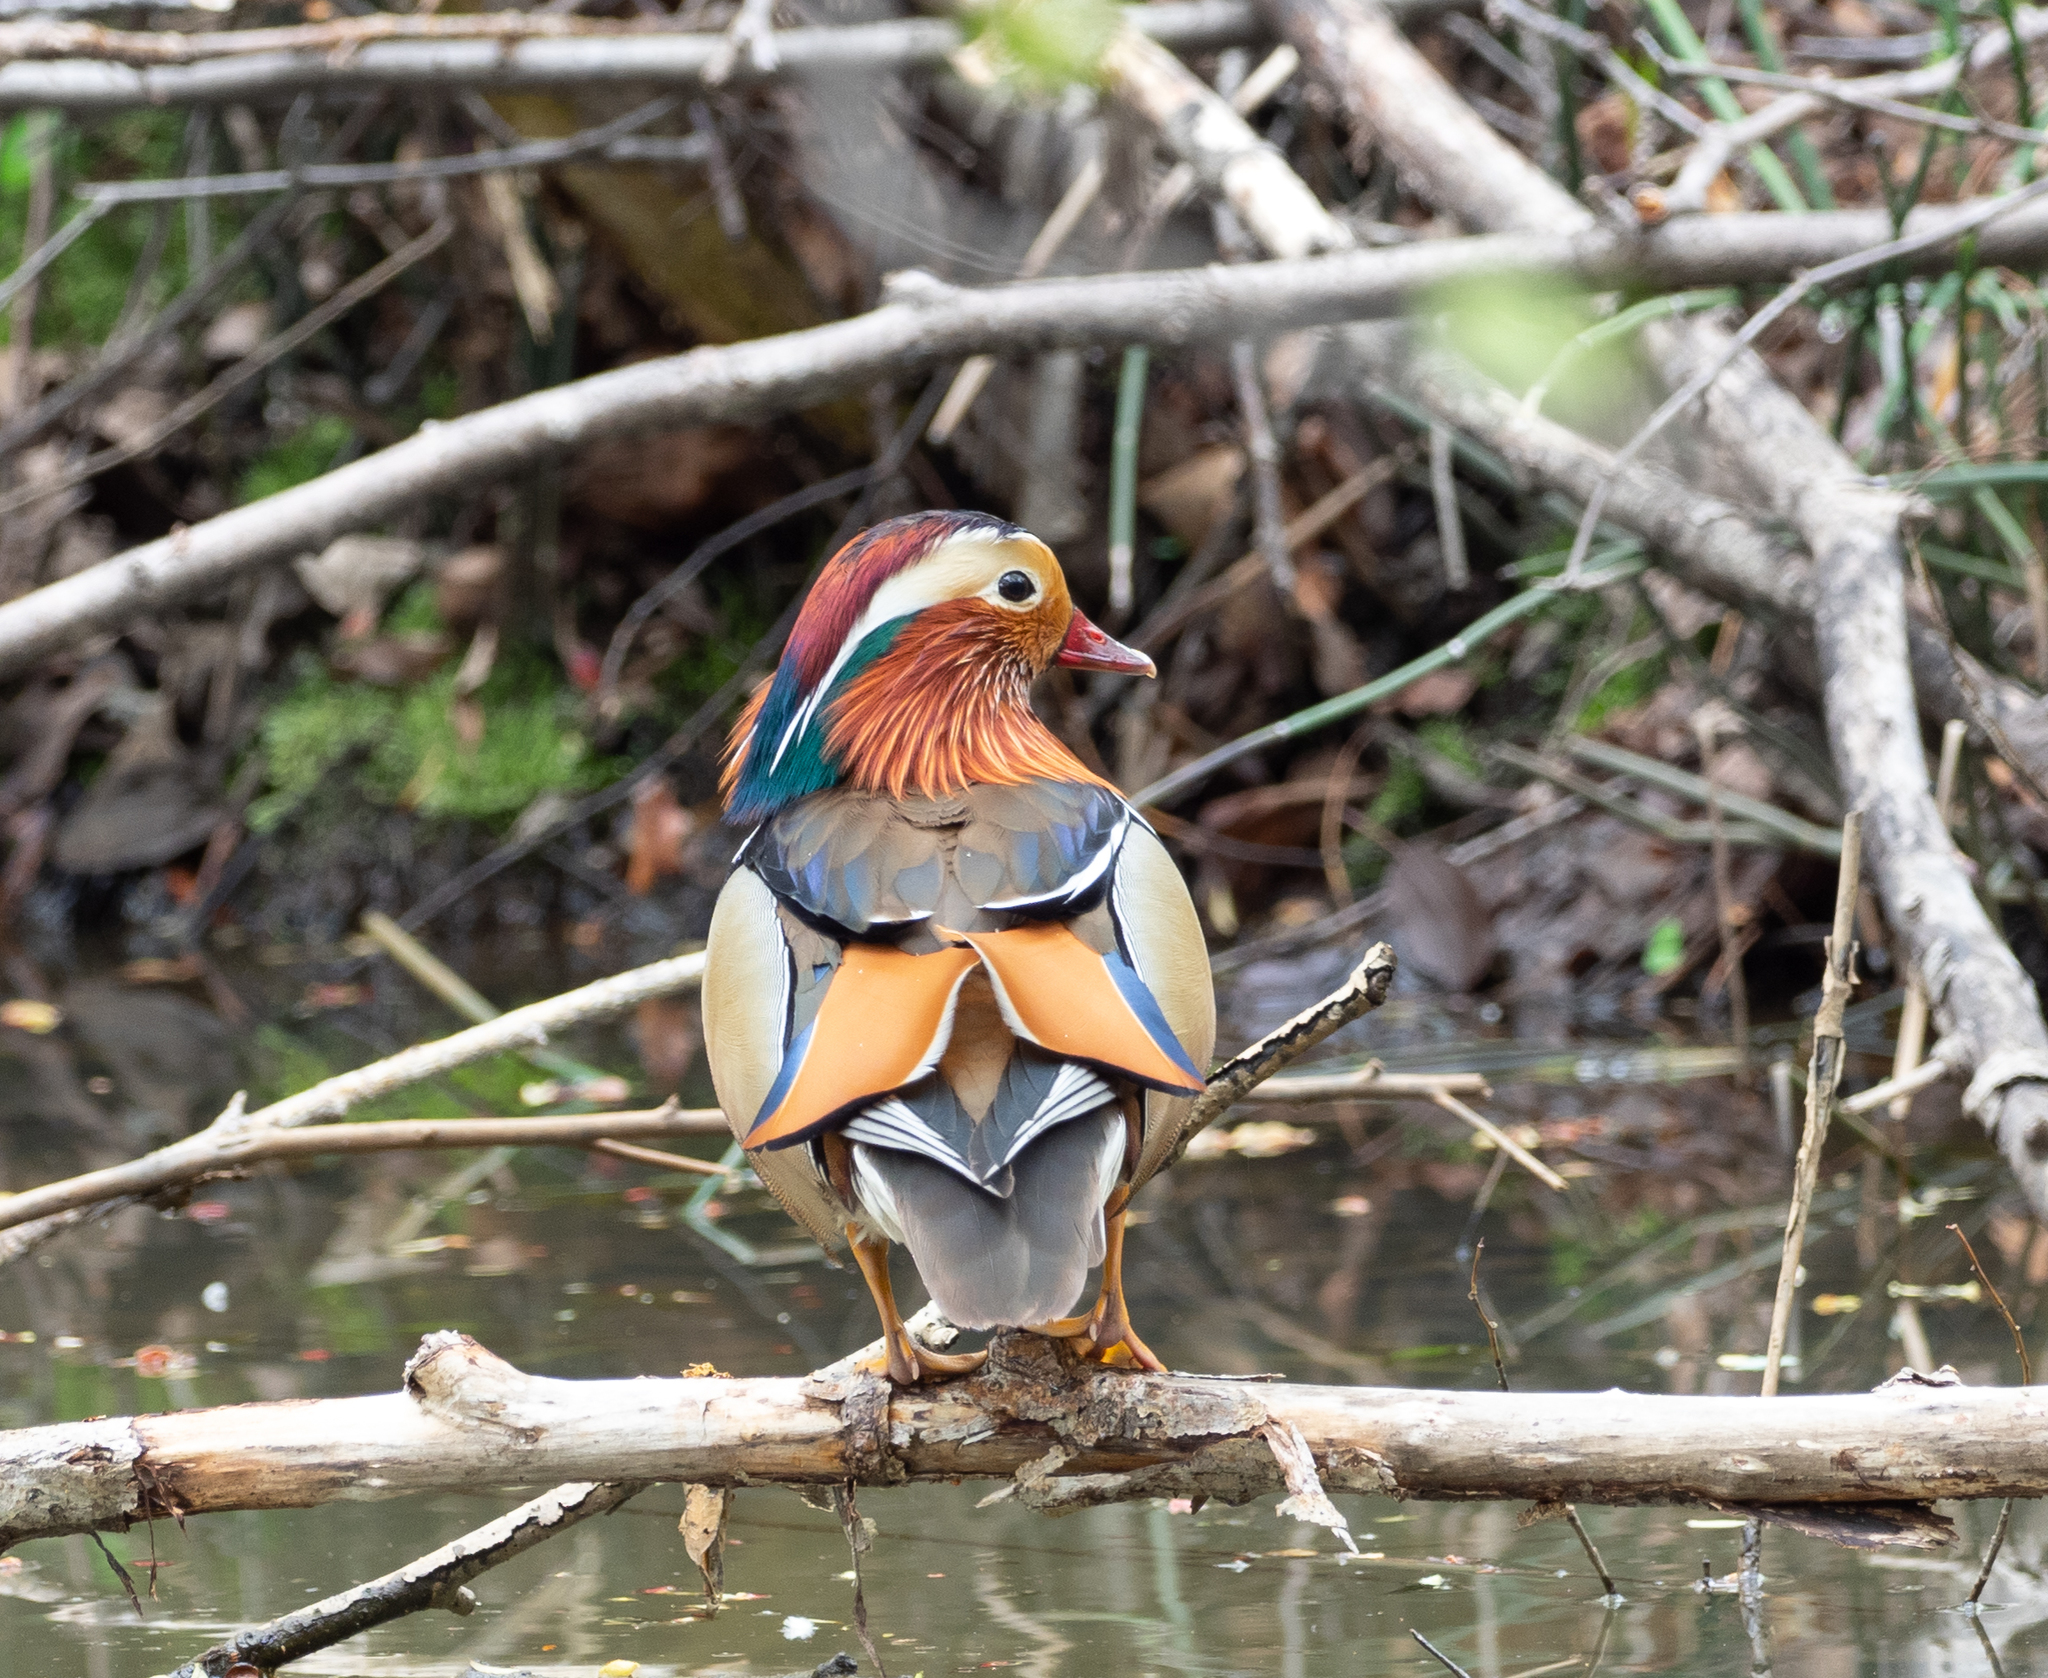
point(1064, 1435)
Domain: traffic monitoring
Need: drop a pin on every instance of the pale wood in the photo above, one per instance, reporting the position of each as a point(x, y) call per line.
point(466, 1419)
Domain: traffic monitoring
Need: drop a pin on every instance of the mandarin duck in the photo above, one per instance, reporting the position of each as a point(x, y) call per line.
point(956, 997)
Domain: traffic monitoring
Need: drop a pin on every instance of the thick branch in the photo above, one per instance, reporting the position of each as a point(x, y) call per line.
point(924, 323)
point(1068, 1435)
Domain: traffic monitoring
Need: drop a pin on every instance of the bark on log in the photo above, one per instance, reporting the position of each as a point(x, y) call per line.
point(1066, 1436)
point(925, 322)
point(1983, 1002)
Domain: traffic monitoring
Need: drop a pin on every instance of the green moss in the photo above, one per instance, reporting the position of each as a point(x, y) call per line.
point(83, 292)
point(1446, 736)
point(333, 740)
point(1045, 45)
point(1623, 690)
point(1403, 795)
point(298, 459)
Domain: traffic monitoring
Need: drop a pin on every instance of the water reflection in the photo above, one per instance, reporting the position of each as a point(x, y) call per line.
point(1336, 1262)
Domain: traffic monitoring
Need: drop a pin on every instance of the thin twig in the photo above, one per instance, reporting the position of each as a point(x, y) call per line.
point(364, 286)
point(1913, 1014)
point(1610, 1593)
point(885, 467)
point(1500, 1369)
point(120, 1572)
point(2019, 1342)
point(1824, 1074)
point(1262, 451)
point(1724, 921)
point(32, 266)
point(438, 1579)
point(1123, 474)
point(538, 154)
point(1500, 1139)
point(332, 1097)
point(1893, 1091)
point(1858, 98)
point(1450, 525)
point(1445, 1660)
point(857, 1543)
point(1363, 991)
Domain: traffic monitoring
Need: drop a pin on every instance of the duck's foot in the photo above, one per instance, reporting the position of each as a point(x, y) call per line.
point(907, 1363)
point(1104, 1336)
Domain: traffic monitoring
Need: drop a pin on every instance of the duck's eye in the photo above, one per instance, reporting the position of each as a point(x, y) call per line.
point(1015, 586)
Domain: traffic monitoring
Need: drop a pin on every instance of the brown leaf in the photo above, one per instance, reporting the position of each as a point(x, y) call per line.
point(466, 587)
point(390, 661)
point(1605, 128)
point(660, 825)
point(705, 1509)
point(1189, 497)
point(1441, 693)
point(1445, 929)
point(668, 1034)
point(651, 483)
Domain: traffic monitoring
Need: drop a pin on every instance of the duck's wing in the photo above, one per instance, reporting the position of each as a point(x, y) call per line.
point(1161, 936)
point(1084, 1004)
point(751, 995)
point(1065, 899)
point(869, 866)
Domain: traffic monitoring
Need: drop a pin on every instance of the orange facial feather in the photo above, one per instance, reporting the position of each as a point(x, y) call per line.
point(949, 704)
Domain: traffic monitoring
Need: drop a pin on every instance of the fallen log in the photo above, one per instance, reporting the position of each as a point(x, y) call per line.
point(1064, 1435)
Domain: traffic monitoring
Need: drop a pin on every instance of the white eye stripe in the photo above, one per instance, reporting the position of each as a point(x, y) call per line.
point(936, 578)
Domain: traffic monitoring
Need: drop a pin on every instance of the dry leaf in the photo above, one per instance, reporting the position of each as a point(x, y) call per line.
point(668, 1034)
point(705, 1509)
point(1261, 1139)
point(660, 825)
point(1445, 929)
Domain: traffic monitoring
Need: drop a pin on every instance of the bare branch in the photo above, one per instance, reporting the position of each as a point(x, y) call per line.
point(438, 1579)
point(924, 322)
point(1064, 1436)
point(21, 1214)
point(109, 70)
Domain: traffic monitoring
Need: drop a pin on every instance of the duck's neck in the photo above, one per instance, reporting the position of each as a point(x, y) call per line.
point(934, 705)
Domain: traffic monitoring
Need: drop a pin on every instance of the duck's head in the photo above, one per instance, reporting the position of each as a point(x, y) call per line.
point(910, 667)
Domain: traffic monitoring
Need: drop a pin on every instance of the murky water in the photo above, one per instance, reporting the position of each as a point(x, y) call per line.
point(1340, 1261)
